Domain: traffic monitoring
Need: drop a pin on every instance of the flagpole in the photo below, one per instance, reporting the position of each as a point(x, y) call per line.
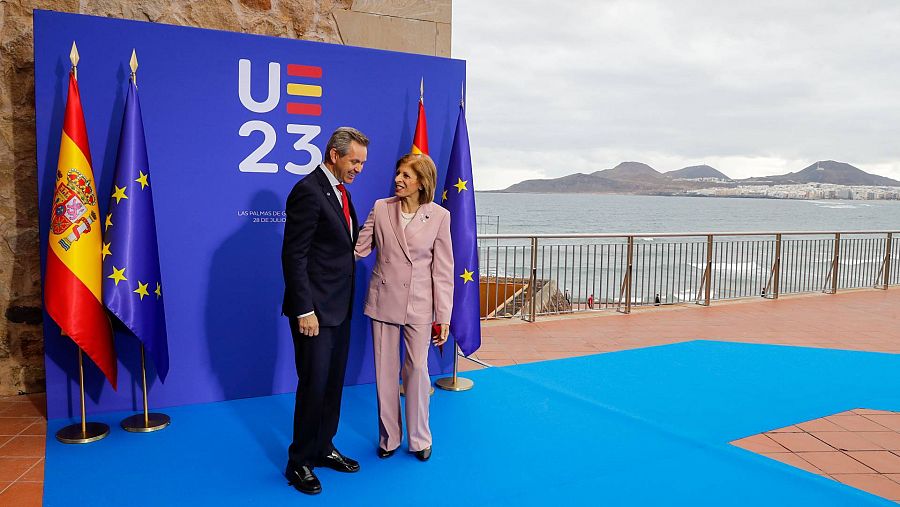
point(147, 421)
point(455, 383)
point(84, 432)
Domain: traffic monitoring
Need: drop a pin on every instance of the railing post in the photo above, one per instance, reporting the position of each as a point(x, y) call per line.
point(835, 262)
point(628, 272)
point(777, 268)
point(533, 282)
point(887, 260)
point(707, 281)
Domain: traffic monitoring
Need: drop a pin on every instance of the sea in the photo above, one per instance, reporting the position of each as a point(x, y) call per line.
point(591, 273)
point(594, 213)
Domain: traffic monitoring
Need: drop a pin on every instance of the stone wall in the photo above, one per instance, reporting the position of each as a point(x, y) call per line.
point(417, 26)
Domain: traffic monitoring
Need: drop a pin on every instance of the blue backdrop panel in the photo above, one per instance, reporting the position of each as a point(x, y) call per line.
point(224, 152)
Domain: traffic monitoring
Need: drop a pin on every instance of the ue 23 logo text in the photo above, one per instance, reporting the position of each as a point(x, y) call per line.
point(305, 101)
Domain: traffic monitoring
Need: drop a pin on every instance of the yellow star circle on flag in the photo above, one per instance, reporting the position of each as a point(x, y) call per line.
point(142, 179)
point(141, 290)
point(119, 194)
point(105, 251)
point(461, 185)
point(158, 291)
point(108, 221)
point(467, 276)
point(118, 275)
point(444, 196)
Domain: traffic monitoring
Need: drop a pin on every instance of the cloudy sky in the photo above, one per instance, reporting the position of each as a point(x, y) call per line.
point(750, 88)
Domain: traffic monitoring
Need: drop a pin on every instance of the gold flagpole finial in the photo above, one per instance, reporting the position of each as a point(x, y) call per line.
point(73, 57)
point(134, 65)
point(422, 90)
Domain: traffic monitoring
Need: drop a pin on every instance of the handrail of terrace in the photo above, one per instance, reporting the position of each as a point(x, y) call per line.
point(582, 272)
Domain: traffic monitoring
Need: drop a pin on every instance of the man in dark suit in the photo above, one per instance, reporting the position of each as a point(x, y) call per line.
point(317, 259)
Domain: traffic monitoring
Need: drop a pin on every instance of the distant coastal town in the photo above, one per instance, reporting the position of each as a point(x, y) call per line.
point(809, 191)
point(825, 179)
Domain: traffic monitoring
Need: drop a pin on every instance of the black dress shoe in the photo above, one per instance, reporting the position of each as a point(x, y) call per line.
point(424, 454)
point(303, 479)
point(339, 462)
point(385, 454)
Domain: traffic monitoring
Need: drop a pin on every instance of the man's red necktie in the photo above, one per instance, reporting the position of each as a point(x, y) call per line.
point(346, 204)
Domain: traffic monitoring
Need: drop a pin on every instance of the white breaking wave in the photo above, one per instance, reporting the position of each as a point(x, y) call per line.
point(728, 266)
point(848, 262)
point(856, 262)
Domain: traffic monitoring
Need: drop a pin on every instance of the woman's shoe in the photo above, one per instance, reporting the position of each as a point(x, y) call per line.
point(385, 454)
point(424, 454)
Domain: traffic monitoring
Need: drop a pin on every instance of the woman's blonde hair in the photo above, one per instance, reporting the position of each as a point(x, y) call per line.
point(426, 172)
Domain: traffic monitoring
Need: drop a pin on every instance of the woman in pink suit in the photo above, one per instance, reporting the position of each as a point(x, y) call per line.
point(411, 287)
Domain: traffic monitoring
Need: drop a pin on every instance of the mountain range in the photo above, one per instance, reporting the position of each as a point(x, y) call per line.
point(640, 178)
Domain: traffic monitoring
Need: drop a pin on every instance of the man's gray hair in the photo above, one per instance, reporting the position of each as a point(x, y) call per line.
point(340, 140)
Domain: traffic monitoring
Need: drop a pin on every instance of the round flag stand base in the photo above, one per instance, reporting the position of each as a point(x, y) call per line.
point(154, 422)
point(403, 391)
point(455, 384)
point(72, 434)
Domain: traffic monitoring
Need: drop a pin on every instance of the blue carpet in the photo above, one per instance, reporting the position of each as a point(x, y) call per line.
point(642, 427)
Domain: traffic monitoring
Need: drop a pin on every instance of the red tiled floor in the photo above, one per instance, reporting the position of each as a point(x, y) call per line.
point(835, 462)
point(890, 421)
point(24, 446)
point(815, 320)
point(36, 473)
point(38, 427)
point(24, 409)
point(846, 440)
point(23, 494)
point(855, 422)
point(884, 462)
point(800, 442)
point(11, 469)
point(885, 439)
point(761, 444)
point(873, 483)
point(819, 425)
point(14, 425)
point(787, 429)
point(22, 429)
point(866, 411)
point(793, 460)
point(845, 451)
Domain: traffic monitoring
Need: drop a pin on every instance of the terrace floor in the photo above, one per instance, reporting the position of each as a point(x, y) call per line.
point(867, 320)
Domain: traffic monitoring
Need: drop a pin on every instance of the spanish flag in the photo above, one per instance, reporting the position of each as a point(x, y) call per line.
point(72, 284)
point(420, 138)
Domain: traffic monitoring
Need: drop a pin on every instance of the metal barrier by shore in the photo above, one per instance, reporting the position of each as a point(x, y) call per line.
point(526, 276)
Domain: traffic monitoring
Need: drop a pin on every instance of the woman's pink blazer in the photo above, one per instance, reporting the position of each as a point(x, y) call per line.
point(412, 281)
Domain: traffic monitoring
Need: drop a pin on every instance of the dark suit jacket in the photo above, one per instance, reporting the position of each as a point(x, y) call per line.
point(317, 253)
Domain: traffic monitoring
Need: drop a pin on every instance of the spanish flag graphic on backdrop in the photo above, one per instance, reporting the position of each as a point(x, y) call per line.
point(72, 284)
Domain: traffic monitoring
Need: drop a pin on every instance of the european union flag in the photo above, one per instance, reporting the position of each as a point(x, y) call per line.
point(132, 286)
point(459, 198)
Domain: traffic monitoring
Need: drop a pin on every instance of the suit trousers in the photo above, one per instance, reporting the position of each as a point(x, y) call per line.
point(416, 382)
point(321, 362)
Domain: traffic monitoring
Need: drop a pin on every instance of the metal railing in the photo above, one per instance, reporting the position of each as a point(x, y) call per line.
point(525, 276)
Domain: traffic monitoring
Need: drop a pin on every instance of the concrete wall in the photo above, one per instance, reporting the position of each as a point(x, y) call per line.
point(415, 26)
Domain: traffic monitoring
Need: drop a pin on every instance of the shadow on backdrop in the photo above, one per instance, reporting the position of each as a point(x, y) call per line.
point(245, 293)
